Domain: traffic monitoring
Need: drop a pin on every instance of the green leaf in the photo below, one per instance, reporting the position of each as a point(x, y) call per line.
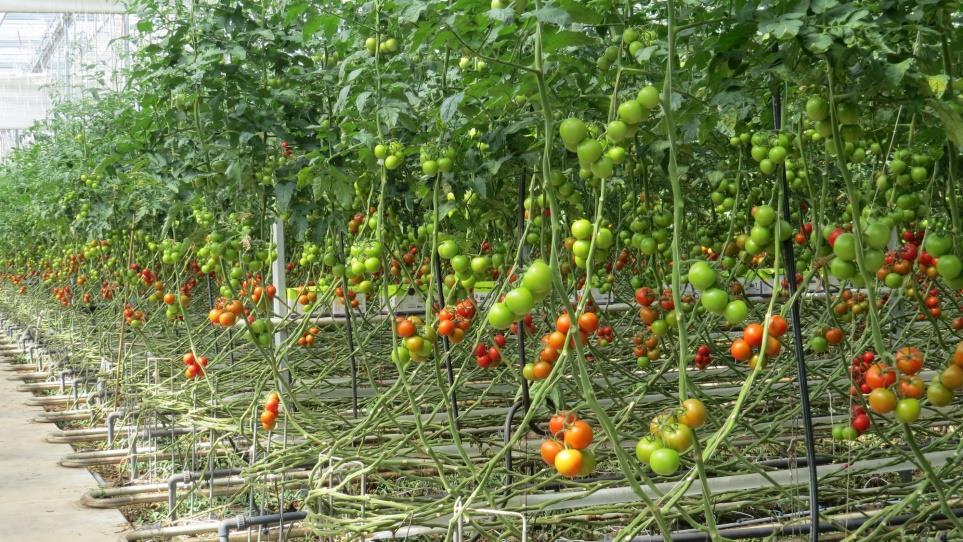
point(896, 72)
point(145, 25)
point(817, 43)
point(938, 84)
point(552, 41)
point(283, 193)
point(550, 15)
point(783, 28)
point(822, 6)
point(952, 123)
point(449, 107)
point(294, 11)
point(329, 23)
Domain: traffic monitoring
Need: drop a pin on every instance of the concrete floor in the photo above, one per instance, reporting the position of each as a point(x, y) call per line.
point(39, 499)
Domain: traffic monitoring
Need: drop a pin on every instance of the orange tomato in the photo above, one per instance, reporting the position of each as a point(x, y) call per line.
point(834, 335)
point(909, 360)
point(588, 322)
point(579, 435)
point(406, 328)
point(563, 323)
point(778, 326)
point(752, 334)
point(740, 350)
point(549, 450)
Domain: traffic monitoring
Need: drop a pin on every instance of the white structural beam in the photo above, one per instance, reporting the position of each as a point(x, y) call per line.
point(62, 6)
point(23, 100)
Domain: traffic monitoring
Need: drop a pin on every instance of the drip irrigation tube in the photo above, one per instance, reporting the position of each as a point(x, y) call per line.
point(774, 529)
point(796, 322)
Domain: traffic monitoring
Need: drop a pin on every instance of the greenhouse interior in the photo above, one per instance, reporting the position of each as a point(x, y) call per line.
point(479, 270)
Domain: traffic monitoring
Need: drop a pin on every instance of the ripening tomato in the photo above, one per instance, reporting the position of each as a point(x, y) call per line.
point(693, 413)
point(909, 360)
point(834, 335)
point(952, 377)
point(568, 462)
point(678, 436)
point(879, 376)
point(882, 400)
point(957, 357)
point(773, 346)
point(268, 419)
point(579, 435)
point(911, 387)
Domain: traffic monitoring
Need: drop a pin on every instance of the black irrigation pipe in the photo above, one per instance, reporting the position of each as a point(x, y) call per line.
point(796, 321)
point(348, 328)
point(763, 531)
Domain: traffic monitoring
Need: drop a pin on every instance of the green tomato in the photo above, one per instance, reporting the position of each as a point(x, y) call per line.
point(949, 266)
point(736, 312)
point(572, 131)
point(908, 410)
point(845, 246)
point(589, 151)
point(448, 249)
point(715, 300)
point(648, 97)
point(645, 446)
point(500, 316)
point(702, 275)
point(765, 215)
point(817, 108)
point(664, 461)
point(631, 112)
point(842, 269)
point(938, 394)
point(877, 235)
point(582, 229)
point(538, 278)
point(480, 264)
point(760, 235)
point(937, 245)
point(520, 301)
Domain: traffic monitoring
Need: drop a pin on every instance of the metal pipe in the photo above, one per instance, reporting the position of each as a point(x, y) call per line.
point(243, 522)
point(187, 477)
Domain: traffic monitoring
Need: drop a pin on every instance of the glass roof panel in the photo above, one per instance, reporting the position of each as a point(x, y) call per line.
point(21, 35)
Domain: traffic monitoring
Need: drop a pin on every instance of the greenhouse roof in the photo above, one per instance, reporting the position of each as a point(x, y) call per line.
point(21, 38)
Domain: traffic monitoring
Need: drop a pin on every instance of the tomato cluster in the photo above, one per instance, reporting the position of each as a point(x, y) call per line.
point(742, 349)
point(671, 434)
point(195, 366)
point(269, 414)
point(567, 449)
